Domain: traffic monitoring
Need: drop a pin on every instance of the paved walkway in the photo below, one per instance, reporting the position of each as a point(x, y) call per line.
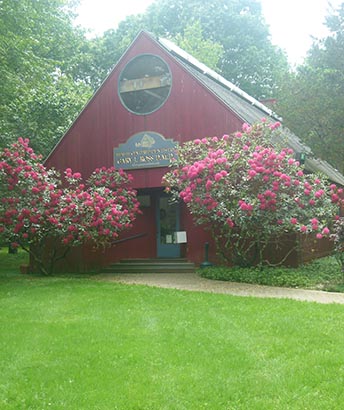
point(193, 282)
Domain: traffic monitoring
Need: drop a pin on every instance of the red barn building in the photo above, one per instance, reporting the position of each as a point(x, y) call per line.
point(155, 97)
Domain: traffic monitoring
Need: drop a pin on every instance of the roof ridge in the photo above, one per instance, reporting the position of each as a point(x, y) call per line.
point(204, 69)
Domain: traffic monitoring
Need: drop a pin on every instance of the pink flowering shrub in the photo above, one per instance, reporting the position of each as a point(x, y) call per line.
point(250, 192)
point(37, 208)
point(338, 238)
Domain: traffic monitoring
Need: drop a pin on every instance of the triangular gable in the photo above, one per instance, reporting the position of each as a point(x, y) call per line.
point(90, 116)
point(101, 115)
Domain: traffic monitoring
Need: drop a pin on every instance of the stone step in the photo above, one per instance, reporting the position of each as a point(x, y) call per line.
point(151, 266)
point(154, 260)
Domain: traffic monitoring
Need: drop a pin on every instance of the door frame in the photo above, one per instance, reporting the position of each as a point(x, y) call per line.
point(163, 250)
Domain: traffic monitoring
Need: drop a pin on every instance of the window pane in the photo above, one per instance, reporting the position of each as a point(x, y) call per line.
point(145, 84)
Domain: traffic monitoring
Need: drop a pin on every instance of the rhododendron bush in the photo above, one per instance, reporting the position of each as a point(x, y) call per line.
point(338, 238)
point(250, 192)
point(44, 214)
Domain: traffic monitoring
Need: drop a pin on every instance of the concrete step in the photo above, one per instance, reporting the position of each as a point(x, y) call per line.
point(151, 266)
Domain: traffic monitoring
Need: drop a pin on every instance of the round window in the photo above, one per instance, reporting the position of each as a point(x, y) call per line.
point(145, 84)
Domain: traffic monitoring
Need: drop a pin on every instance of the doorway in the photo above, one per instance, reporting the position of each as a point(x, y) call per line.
point(167, 223)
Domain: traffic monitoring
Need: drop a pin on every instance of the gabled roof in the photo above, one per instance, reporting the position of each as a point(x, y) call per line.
point(246, 107)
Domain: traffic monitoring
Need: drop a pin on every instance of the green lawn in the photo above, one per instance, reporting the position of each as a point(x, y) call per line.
point(79, 343)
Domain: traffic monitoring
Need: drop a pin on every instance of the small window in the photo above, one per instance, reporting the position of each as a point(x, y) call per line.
point(145, 84)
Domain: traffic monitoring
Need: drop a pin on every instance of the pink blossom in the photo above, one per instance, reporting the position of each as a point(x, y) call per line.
point(293, 221)
point(334, 198)
point(319, 193)
point(230, 223)
point(270, 193)
point(246, 128)
point(245, 206)
point(275, 125)
point(325, 231)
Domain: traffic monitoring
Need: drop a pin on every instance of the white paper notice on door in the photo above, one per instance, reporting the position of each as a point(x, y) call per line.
point(180, 237)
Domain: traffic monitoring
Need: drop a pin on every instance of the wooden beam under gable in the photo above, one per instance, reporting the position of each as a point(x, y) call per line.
point(145, 83)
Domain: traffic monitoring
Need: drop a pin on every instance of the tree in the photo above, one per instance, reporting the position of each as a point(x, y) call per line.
point(48, 69)
point(108, 48)
point(47, 217)
point(44, 66)
point(312, 99)
point(192, 41)
point(250, 193)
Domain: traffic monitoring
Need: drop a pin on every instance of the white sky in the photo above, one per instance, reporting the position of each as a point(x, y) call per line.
point(292, 22)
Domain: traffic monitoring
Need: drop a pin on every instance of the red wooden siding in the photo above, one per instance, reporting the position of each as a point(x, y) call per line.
point(190, 112)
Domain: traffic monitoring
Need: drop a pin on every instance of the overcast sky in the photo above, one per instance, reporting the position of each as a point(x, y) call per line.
point(292, 22)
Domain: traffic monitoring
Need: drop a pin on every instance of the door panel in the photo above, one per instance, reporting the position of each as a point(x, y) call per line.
point(167, 222)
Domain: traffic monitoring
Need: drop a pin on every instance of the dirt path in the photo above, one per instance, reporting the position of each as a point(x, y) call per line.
point(193, 282)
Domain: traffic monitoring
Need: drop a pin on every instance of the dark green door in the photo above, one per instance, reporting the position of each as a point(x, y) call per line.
point(167, 222)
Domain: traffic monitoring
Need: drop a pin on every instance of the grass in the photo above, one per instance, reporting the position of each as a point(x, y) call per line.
point(78, 343)
point(321, 274)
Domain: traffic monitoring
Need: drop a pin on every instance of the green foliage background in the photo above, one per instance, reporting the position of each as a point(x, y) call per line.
point(49, 68)
point(311, 99)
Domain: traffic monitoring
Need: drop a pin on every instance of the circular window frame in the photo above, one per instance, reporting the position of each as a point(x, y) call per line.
point(122, 74)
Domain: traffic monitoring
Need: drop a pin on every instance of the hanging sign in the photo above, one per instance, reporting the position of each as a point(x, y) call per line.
point(145, 150)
